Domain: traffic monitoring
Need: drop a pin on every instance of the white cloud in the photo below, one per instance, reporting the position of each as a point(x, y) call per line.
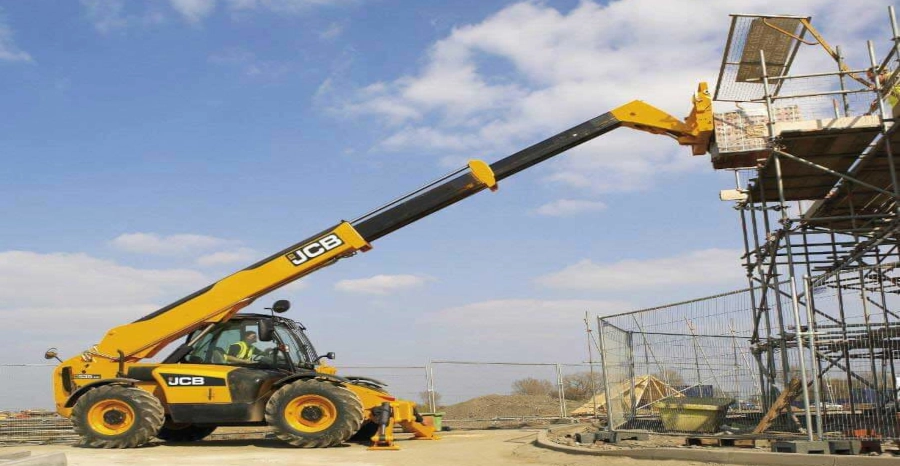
point(381, 284)
point(334, 30)
point(152, 243)
point(500, 329)
point(106, 15)
point(705, 267)
point(296, 285)
point(8, 49)
point(70, 300)
point(249, 65)
point(283, 6)
point(111, 15)
point(194, 11)
point(531, 70)
point(568, 207)
point(61, 281)
point(239, 255)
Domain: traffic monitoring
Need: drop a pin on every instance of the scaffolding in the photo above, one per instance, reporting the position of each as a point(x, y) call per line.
point(816, 191)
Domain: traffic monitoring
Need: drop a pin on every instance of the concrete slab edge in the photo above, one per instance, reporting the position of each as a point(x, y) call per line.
point(50, 459)
point(721, 456)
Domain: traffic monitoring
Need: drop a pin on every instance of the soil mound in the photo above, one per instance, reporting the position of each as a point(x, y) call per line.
point(493, 406)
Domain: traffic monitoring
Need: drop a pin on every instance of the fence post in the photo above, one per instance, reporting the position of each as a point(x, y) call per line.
point(605, 372)
point(629, 340)
point(811, 334)
point(560, 391)
point(429, 381)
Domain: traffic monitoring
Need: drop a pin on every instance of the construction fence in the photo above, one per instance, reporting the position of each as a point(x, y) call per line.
point(754, 361)
point(662, 363)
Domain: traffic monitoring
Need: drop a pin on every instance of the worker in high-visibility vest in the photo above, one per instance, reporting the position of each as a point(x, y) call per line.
point(243, 351)
point(891, 94)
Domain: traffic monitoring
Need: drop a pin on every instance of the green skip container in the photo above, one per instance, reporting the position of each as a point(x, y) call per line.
point(693, 414)
point(433, 419)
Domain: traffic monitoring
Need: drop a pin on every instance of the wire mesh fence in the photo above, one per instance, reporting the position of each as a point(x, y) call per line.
point(495, 394)
point(405, 382)
point(681, 367)
point(782, 86)
point(852, 338)
point(754, 361)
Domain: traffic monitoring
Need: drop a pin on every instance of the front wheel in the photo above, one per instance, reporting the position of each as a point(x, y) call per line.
point(117, 416)
point(314, 414)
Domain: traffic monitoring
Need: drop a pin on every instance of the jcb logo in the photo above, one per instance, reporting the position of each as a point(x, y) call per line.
point(187, 380)
point(314, 249)
point(180, 381)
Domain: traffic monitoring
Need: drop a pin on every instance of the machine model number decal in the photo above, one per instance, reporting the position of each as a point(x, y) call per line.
point(86, 376)
point(181, 380)
point(314, 249)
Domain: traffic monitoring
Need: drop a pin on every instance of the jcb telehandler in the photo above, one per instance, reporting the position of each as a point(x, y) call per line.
point(115, 401)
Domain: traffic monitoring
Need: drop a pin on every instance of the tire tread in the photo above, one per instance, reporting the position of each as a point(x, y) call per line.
point(348, 422)
point(149, 417)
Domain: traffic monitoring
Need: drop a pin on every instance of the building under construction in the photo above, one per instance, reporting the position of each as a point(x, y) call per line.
point(811, 140)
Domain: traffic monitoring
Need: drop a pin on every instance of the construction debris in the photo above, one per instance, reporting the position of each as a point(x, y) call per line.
point(35, 427)
point(647, 390)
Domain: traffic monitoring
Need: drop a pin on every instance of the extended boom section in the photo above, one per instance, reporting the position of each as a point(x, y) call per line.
point(695, 131)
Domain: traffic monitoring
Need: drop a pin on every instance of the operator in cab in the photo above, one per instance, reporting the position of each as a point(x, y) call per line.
point(243, 351)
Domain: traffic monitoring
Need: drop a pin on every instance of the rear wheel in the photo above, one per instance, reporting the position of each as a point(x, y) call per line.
point(314, 414)
point(173, 432)
point(117, 416)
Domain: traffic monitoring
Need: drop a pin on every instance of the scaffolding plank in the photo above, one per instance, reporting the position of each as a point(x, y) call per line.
point(768, 35)
point(831, 143)
point(859, 200)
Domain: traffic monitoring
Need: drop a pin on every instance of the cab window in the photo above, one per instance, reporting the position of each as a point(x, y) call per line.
point(221, 346)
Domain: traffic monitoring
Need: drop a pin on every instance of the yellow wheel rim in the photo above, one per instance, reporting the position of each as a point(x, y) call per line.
point(310, 413)
point(111, 417)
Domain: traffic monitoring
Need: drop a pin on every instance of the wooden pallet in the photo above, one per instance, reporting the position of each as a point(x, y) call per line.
point(721, 441)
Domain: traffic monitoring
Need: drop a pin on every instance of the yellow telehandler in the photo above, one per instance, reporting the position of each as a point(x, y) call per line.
point(257, 369)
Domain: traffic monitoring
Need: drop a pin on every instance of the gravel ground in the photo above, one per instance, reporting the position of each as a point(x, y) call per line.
point(475, 448)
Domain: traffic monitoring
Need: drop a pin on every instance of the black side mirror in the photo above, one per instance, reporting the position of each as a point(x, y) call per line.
point(329, 355)
point(266, 329)
point(51, 354)
point(282, 305)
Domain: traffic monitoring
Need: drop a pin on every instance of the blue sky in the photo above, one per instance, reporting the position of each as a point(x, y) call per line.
point(152, 148)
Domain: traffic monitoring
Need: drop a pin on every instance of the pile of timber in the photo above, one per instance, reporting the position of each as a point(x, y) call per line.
point(34, 427)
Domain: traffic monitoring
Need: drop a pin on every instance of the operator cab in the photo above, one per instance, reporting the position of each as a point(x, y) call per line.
point(253, 340)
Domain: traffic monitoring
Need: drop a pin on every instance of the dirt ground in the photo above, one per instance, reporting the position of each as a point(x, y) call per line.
point(488, 448)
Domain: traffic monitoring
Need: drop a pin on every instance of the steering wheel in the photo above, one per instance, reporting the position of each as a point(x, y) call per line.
point(267, 355)
point(218, 356)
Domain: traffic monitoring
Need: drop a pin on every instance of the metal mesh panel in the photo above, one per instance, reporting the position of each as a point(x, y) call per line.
point(498, 394)
point(856, 332)
point(741, 62)
point(406, 382)
point(660, 364)
point(800, 99)
point(618, 367)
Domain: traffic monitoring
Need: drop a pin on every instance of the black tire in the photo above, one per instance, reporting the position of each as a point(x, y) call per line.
point(117, 416)
point(314, 414)
point(172, 432)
